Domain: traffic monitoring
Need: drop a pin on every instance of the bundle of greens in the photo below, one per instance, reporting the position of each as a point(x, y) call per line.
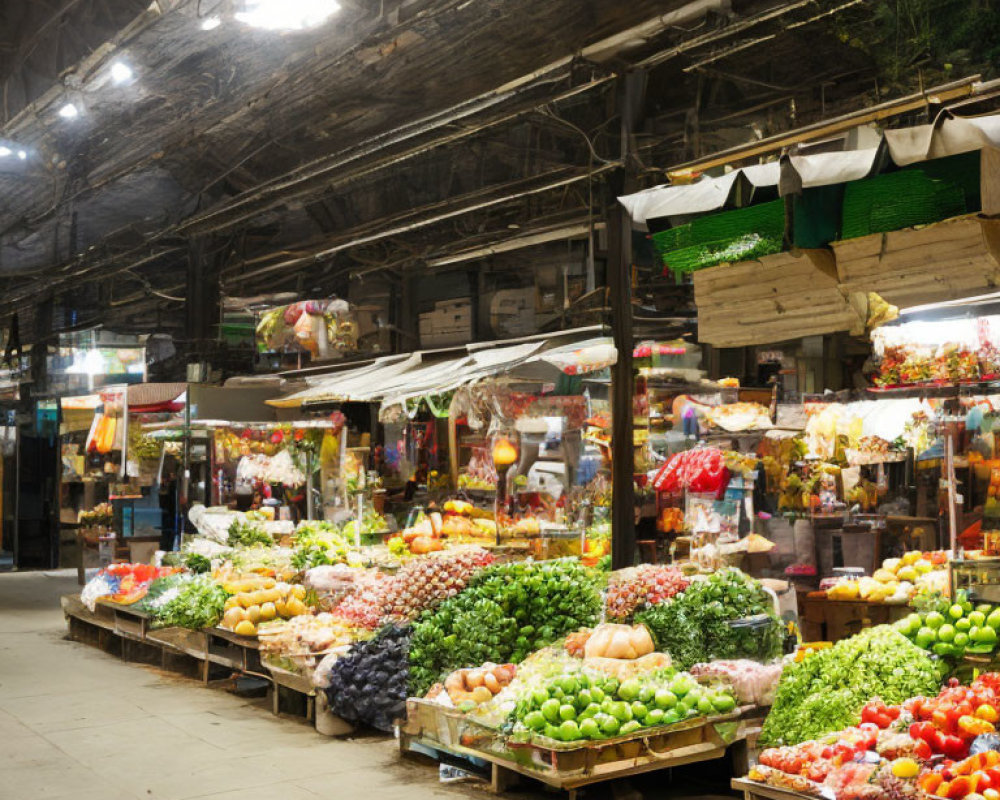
point(727, 616)
point(495, 617)
point(195, 562)
point(827, 690)
point(318, 543)
point(198, 603)
point(247, 533)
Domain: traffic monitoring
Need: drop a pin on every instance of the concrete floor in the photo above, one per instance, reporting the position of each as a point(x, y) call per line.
point(78, 723)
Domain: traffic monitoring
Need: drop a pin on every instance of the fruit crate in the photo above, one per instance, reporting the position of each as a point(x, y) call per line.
point(694, 738)
point(431, 721)
point(569, 766)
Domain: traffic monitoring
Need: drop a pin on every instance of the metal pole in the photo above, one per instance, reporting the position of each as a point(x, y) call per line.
point(949, 465)
point(310, 510)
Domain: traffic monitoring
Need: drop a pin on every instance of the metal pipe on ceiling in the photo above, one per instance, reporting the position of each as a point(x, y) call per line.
point(580, 230)
point(421, 223)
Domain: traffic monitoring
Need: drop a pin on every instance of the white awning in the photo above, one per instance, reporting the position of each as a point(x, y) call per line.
point(946, 136)
point(711, 194)
point(397, 379)
point(344, 385)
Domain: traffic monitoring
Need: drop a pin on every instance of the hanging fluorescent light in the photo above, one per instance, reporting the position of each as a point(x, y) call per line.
point(210, 23)
point(121, 72)
point(287, 15)
point(5, 151)
point(69, 111)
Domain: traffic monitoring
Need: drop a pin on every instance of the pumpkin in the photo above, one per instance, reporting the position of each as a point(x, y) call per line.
point(619, 641)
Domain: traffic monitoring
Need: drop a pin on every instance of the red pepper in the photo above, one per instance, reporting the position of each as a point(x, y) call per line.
point(953, 747)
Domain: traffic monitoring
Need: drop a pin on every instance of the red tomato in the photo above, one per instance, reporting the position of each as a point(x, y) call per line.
point(959, 788)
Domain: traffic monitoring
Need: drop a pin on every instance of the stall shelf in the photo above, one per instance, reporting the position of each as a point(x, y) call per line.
point(433, 729)
point(757, 791)
point(126, 632)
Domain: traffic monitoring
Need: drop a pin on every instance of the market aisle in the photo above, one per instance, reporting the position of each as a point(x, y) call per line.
point(77, 723)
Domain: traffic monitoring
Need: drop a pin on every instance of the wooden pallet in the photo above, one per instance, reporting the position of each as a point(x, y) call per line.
point(128, 633)
point(434, 728)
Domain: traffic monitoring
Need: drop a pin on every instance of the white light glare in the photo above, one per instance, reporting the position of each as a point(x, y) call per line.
point(69, 111)
point(5, 151)
point(287, 15)
point(22, 154)
point(121, 72)
point(210, 23)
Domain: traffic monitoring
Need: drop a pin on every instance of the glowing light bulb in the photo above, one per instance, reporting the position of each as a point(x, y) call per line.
point(121, 72)
point(210, 23)
point(69, 111)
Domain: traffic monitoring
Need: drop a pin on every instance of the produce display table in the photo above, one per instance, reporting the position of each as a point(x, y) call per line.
point(759, 791)
point(567, 766)
point(118, 629)
point(826, 620)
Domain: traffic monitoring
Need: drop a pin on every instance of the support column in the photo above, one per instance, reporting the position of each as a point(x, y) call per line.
point(202, 301)
point(631, 90)
point(622, 450)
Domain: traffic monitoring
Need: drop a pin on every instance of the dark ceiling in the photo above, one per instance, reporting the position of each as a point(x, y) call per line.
point(396, 133)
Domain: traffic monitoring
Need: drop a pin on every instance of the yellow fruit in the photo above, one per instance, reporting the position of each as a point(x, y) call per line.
point(269, 583)
point(245, 600)
point(233, 617)
point(268, 611)
point(923, 566)
point(270, 595)
point(911, 557)
point(299, 592)
point(231, 602)
point(884, 576)
point(905, 768)
point(907, 573)
point(296, 607)
point(253, 614)
point(281, 607)
point(892, 564)
point(246, 628)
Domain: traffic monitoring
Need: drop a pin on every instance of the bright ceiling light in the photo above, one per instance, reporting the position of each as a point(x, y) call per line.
point(210, 23)
point(22, 154)
point(69, 111)
point(287, 15)
point(5, 151)
point(121, 72)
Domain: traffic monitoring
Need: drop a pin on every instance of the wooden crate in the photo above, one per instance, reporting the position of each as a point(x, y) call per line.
point(569, 766)
point(955, 258)
point(832, 620)
point(778, 297)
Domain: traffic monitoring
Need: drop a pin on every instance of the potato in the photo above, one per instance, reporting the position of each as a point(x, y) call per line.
point(481, 695)
point(253, 614)
point(490, 682)
point(474, 678)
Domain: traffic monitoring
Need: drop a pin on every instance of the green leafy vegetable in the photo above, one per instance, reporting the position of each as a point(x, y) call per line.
point(198, 603)
point(247, 534)
point(506, 612)
point(827, 690)
point(705, 622)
